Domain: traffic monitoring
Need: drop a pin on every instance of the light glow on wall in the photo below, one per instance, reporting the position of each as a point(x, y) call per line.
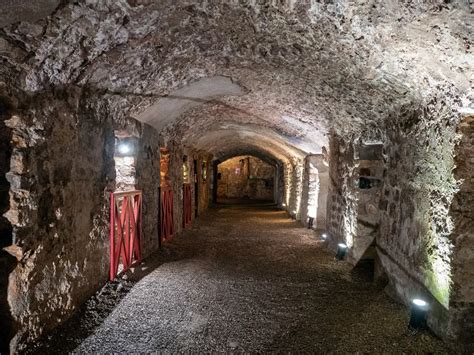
point(439, 252)
point(288, 183)
point(313, 191)
point(350, 228)
point(299, 187)
point(439, 279)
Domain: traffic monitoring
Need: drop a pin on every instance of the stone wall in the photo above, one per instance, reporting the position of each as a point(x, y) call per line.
point(245, 177)
point(61, 174)
point(287, 173)
point(148, 181)
point(295, 185)
point(7, 261)
point(415, 243)
point(323, 176)
point(204, 185)
point(280, 185)
point(315, 191)
point(125, 173)
point(462, 213)
point(369, 179)
point(407, 202)
point(176, 177)
point(342, 199)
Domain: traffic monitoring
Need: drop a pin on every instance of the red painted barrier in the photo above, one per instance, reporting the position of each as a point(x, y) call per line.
point(166, 214)
point(187, 205)
point(125, 230)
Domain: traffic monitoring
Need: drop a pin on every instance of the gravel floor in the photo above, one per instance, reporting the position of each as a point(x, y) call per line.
point(245, 279)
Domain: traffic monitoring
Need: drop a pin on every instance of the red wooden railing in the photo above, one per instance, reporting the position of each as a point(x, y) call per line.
point(187, 206)
point(125, 230)
point(166, 214)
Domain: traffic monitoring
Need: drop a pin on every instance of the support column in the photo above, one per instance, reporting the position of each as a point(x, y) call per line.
point(322, 167)
point(315, 191)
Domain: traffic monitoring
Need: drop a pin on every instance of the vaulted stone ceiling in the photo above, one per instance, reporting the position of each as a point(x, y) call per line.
point(303, 67)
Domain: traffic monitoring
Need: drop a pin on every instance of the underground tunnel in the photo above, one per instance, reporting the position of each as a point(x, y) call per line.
point(219, 176)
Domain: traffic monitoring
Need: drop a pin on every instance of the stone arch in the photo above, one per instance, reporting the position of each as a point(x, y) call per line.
point(245, 176)
point(167, 109)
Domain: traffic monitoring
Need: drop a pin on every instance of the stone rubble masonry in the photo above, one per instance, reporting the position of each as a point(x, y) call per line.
point(254, 179)
point(60, 177)
point(61, 174)
point(148, 181)
point(280, 185)
point(7, 261)
point(342, 198)
point(295, 186)
point(416, 239)
point(204, 161)
point(125, 173)
point(420, 214)
point(308, 68)
point(315, 190)
point(462, 214)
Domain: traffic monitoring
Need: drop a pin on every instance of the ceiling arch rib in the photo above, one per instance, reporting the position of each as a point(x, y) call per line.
point(264, 156)
point(220, 141)
point(218, 115)
point(166, 110)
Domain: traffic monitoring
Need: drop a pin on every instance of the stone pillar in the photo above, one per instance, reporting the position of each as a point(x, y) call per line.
point(287, 183)
point(322, 166)
point(315, 191)
point(296, 187)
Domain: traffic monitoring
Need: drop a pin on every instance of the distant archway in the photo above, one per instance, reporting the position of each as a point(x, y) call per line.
point(245, 178)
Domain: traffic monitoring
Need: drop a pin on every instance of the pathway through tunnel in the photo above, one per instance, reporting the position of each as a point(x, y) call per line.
point(248, 278)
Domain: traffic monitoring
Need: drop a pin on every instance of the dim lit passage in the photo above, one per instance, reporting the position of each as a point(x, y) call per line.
point(236, 176)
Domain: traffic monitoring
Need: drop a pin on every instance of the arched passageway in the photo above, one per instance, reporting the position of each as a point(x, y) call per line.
point(245, 178)
point(364, 111)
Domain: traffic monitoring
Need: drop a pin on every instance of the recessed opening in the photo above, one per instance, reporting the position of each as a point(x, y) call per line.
point(186, 170)
point(125, 162)
point(166, 197)
point(368, 182)
point(245, 178)
point(187, 194)
point(364, 271)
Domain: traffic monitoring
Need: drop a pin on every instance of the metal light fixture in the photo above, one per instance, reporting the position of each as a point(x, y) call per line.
point(341, 251)
point(324, 236)
point(418, 311)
